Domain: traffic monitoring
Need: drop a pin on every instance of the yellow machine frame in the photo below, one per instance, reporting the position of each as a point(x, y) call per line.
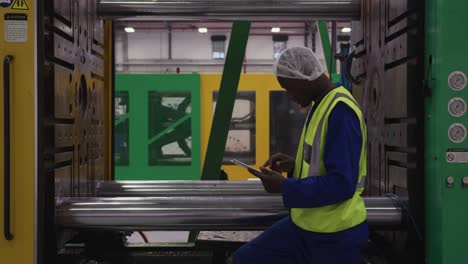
point(23, 91)
point(262, 85)
point(24, 127)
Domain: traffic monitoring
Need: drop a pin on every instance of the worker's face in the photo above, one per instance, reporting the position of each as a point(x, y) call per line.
point(300, 91)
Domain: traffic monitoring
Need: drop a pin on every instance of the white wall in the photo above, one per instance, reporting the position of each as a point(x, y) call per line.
point(147, 45)
point(259, 47)
point(147, 51)
point(192, 45)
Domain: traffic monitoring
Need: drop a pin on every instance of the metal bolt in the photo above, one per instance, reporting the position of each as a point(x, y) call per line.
point(450, 180)
point(450, 157)
point(465, 180)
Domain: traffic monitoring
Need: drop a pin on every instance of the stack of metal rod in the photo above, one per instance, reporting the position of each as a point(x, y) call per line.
point(232, 10)
point(191, 205)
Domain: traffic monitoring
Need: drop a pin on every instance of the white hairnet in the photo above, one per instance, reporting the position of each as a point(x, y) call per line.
point(298, 63)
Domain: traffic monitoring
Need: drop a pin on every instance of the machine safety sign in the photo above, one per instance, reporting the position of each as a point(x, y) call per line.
point(14, 4)
point(20, 5)
point(16, 28)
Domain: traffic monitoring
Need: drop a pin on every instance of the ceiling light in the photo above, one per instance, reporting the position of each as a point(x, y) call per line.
point(202, 30)
point(129, 29)
point(275, 29)
point(346, 30)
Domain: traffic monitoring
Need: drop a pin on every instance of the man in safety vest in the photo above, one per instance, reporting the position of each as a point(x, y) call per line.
point(327, 221)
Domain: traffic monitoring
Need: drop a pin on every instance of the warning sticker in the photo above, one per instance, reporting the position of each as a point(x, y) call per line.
point(20, 5)
point(16, 28)
point(457, 157)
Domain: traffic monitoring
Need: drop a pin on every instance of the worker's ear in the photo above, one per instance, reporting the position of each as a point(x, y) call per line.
point(291, 84)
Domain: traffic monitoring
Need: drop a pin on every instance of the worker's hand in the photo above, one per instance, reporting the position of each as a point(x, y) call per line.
point(271, 179)
point(280, 163)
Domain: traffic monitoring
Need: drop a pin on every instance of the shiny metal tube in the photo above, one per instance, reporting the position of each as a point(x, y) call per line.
point(194, 212)
point(184, 182)
point(233, 9)
point(158, 192)
point(104, 186)
point(179, 188)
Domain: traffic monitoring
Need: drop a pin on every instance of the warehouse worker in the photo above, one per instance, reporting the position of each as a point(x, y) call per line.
point(327, 221)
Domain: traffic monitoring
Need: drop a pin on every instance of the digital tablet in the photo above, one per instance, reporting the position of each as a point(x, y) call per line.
point(242, 164)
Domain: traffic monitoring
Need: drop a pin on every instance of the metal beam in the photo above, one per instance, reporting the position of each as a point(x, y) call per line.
point(225, 103)
point(171, 192)
point(327, 47)
point(233, 9)
point(109, 185)
point(179, 188)
point(195, 213)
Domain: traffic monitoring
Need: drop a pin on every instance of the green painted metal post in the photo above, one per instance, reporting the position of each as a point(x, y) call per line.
point(225, 102)
point(327, 50)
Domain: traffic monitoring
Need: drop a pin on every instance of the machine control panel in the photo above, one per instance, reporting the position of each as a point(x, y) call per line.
point(457, 133)
point(457, 107)
point(457, 81)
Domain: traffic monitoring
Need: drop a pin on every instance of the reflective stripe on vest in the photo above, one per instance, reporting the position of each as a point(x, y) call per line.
point(311, 153)
point(309, 163)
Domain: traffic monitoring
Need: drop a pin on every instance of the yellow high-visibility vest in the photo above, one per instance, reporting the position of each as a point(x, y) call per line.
point(309, 162)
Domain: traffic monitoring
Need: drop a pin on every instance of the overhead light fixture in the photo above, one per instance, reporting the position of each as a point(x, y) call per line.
point(202, 30)
point(346, 30)
point(275, 29)
point(129, 29)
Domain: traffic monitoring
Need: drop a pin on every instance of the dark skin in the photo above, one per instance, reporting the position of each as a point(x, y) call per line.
point(303, 92)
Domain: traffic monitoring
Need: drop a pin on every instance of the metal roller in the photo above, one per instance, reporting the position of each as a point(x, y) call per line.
point(180, 183)
point(111, 186)
point(149, 192)
point(233, 9)
point(178, 188)
point(195, 212)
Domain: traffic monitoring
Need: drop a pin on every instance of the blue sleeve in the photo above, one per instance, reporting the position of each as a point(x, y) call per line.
point(341, 157)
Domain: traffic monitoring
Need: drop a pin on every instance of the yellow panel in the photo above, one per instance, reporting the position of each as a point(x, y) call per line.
point(262, 84)
point(21, 249)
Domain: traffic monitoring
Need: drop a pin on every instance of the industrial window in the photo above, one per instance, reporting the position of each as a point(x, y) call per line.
point(286, 121)
point(219, 46)
point(170, 128)
point(121, 141)
point(240, 143)
point(280, 43)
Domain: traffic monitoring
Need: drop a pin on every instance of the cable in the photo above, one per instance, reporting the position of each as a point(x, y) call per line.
point(143, 236)
point(243, 118)
point(406, 208)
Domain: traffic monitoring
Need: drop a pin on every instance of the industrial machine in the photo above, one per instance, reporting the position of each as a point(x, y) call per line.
point(183, 105)
point(59, 204)
point(168, 107)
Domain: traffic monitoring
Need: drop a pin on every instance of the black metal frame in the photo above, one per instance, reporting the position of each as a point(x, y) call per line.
point(6, 149)
point(43, 220)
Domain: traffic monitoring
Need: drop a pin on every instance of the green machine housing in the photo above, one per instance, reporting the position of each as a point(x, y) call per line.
point(157, 127)
point(409, 74)
point(446, 120)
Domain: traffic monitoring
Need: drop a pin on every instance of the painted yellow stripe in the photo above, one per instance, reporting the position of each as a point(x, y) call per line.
point(262, 85)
